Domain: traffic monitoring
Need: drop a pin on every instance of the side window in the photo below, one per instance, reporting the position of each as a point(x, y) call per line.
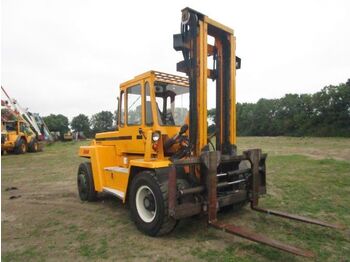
point(21, 127)
point(148, 105)
point(121, 110)
point(134, 105)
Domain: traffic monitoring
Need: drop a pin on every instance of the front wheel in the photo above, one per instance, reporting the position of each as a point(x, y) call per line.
point(149, 205)
point(21, 147)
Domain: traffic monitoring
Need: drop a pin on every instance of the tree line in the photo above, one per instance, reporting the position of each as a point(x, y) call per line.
point(100, 122)
point(325, 113)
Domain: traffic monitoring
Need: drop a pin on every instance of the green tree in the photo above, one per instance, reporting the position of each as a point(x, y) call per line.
point(262, 121)
point(325, 113)
point(115, 118)
point(80, 123)
point(331, 111)
point(211, 120)
point(57, 123)
point(102, 121)
point(244, 118)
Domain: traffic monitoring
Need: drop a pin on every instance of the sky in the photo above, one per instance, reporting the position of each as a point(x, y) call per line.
point(69, 57)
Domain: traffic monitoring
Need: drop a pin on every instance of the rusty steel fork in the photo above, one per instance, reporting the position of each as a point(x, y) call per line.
point(254, 157)
point(242, 232)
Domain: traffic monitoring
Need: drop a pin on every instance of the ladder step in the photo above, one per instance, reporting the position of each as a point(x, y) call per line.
point(117, 169)
point(115, 192)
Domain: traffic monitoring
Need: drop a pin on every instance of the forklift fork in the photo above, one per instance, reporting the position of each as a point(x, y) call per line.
point(254, 158)
point(211, 160)
point(242, 232)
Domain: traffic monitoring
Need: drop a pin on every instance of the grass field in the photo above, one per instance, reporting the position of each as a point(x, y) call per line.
point(306, 176)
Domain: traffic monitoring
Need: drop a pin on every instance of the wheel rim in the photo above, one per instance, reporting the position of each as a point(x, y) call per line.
point(35, 146)
point(23, 146)
point(146, 204)
point(82, 185)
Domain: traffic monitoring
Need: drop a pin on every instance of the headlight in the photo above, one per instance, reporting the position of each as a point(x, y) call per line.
point(155, 136)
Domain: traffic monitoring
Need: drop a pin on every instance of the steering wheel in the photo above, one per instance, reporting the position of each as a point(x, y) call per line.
point(176, 138)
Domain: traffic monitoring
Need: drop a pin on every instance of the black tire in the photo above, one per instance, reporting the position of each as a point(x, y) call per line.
point(33, 146)
point(152, 218)
point(85, 183)
point(21, 147)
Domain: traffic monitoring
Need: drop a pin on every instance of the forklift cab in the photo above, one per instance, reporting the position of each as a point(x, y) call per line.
point(155, 102)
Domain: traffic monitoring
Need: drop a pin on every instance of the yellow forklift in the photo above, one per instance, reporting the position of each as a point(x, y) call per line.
point(161, 159)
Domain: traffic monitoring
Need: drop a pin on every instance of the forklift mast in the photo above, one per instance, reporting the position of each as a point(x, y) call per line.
point(193, 42)
point(196, 29)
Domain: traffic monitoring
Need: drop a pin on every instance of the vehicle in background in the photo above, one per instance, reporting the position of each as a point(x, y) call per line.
point(17, 137)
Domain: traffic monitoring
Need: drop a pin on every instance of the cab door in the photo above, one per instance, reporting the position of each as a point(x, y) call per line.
point(147, 108)
point(134, 103)
point(136, 116)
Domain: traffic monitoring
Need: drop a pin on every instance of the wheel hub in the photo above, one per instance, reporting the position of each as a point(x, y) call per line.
point(82, 183)
point(146, 204)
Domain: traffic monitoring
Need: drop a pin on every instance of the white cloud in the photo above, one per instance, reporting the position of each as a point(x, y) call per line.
point(70, 56)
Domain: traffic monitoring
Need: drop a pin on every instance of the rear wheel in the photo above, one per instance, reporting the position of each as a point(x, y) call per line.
point(149, 205)
point(33, 146)
point(21, 147)
point(85, 181)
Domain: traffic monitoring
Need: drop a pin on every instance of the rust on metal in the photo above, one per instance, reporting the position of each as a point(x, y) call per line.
point(187, 209)
point(254, 156)
point(192, 190)
point(187, 161)
point(210, 162)
point(234, 158)
point(238, 197)
point(239, 231)
point(179, 80)
point(296, 217)
point(212, 194)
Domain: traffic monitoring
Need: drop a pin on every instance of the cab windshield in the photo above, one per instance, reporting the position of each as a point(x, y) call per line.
point(172, 103)
point(11, 126)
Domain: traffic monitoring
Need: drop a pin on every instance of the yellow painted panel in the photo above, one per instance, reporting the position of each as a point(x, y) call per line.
point(150, 164)
point(218, 25)
point(233, 90)
point(117, 180)
point(101, 157)
point(85, 151)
